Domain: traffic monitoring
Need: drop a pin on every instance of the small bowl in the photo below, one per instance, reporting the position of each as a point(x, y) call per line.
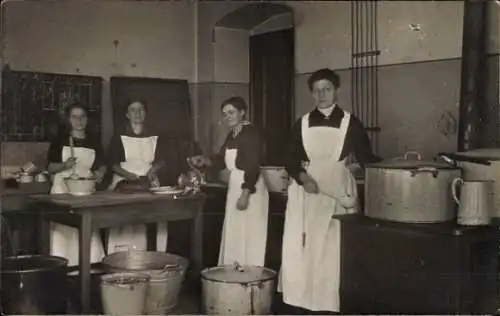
point(80, 186)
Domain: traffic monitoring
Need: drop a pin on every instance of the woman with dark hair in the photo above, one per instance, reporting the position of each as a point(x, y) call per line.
point(244, 233)
point(74, 151)
point(322, 188)
point(135, 156)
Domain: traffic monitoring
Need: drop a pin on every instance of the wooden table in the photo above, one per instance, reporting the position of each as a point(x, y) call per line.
point(107, 209)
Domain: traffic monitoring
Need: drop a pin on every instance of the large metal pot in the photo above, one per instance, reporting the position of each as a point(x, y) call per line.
point(481, 164)
point(410, 191)
point(238, 290)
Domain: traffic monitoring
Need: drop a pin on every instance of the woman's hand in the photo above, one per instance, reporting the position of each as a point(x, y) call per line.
point(153, 179)
point(70, 163)
point(200, 161)
point(310, 185)
point(242, 203)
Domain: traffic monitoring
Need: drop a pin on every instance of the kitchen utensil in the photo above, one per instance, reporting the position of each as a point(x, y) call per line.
point(480, 164)
point(80, 186)
point(410, 190)
point(72, 155)
point(475, 203)
point(238, 290)
point(276, 178)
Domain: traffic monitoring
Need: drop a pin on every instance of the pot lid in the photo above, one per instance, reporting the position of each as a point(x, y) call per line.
point(486, 153)
point(410, 164)
point(228, 274)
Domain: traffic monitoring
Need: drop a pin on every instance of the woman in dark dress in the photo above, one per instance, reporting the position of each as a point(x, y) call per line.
point(88, 160)
point(322, 188)
point(245, 224)
point(135, 154)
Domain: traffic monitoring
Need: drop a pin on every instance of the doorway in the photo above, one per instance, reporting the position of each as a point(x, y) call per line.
point(272, 70)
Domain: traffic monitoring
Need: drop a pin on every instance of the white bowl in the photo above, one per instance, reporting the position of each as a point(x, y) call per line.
point(80, 186)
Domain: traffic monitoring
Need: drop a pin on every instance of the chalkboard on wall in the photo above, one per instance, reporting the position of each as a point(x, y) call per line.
point(33, 103)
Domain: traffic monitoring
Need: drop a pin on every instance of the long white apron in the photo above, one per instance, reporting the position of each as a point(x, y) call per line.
point(244, 234)
point(139, 157)
point(63, 238)
point(310, 271)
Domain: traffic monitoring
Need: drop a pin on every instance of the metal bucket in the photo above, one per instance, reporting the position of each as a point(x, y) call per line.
point(34, 285)
point(238, 290)
point(124, 293)
point(167, 272)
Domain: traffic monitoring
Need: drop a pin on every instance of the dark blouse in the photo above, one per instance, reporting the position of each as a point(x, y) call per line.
point(356, 142)
point(249, 145)
point(91, 142)
point(116, 151)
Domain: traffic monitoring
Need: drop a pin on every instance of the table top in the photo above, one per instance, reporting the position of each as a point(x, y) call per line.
point(109, 198)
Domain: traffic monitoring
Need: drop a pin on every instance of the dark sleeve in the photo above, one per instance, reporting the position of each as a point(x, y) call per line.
point(218, 159)
point(361, 144)
point(295, 153)
point(99, 155)
point(250, 149)
point(116, 152)
point(54, 154)
point(160, 151)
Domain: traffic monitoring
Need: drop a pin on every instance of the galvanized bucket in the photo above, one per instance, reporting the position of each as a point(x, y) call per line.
point(124, 293)
point(167, 272)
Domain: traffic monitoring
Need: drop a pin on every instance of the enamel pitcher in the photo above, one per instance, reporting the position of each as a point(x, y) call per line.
point(476, 201)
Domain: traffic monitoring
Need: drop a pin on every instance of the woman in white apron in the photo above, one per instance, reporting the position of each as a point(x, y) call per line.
point(135, 154)
point(87, 160)
point(322, 188)
point(244, 234)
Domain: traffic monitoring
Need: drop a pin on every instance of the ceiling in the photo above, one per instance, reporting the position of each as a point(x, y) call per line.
point(249, 16)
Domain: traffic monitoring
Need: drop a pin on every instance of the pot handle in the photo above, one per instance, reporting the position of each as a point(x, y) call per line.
point(456, 182)
point(434, 171)
point(415, 153)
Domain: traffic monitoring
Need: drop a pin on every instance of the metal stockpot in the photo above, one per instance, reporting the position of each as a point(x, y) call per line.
point(410, 191)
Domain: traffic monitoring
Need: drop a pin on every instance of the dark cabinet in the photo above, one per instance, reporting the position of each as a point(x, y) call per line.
point(393, 268)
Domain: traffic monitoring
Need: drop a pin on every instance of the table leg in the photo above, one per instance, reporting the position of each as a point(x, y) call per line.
point(197, 243)
point(85, 235)
point(43, 235)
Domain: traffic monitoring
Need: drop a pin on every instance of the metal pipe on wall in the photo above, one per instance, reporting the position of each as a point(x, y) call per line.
point(473, 107)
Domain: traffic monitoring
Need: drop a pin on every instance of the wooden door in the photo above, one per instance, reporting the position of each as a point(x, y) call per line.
point(271, 89)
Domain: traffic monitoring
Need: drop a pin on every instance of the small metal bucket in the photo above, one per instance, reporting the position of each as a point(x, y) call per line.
point(124, 293)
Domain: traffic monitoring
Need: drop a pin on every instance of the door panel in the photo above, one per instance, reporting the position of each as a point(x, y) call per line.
point(271, 85)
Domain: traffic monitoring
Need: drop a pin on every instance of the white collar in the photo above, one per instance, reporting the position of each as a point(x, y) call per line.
point(328, 111)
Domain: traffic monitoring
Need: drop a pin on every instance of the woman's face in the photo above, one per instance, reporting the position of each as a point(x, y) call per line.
point(78, 119)
point(231, 115)
point(324, 93)
point(136, 113)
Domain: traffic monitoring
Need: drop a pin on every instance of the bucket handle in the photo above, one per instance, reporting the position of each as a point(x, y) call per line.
point(125, 247)
point(169, 267)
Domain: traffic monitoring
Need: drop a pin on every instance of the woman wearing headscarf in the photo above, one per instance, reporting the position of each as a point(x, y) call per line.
point(322, 188)
point(244, 234)
point(136, 157)
point(74, 151)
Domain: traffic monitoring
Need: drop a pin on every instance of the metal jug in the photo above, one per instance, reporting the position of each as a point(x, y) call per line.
point(475, 205)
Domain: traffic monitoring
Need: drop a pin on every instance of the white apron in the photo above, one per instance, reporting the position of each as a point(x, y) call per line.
point(310, 271)
point(64, 239)
point(244, 233)
point(139, 157)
